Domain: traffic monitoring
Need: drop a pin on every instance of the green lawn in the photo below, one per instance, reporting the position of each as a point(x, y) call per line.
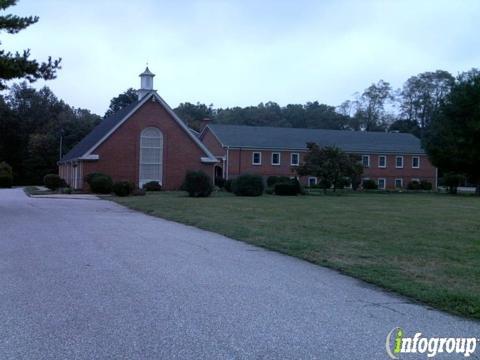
point(425, 246)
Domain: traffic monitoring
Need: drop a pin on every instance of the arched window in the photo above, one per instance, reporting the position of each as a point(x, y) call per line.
point(151, 155)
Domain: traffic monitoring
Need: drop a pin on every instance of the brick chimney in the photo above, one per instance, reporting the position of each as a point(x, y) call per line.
point(204, 122)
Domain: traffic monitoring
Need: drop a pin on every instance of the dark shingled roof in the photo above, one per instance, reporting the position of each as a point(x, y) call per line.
point(98, 133)
point(256, 137)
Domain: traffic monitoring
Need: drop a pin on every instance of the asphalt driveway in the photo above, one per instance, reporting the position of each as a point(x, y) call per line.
point(89, 279)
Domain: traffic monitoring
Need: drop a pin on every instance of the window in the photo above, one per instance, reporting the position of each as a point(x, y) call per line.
point(398, 183)
point(275, 158)
point(366, 161)
point(399, 162)
point(294, 159)
point(151, 155)
point(382, 183)
point(312, 181)
point(257, 158)
point(382, 161)
point(416, 162)
point(416, 180)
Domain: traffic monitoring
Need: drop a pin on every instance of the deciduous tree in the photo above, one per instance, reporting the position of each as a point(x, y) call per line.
point(453, 139)
point(331, 165)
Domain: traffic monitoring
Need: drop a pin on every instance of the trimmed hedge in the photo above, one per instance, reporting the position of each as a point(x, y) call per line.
point(123, 188)
point(53, 181)
point(88, 178)
point(369, 185)
point(422, 185)
point(426, 185)
point(414, 185)
point(152, 186)
point(248, 185)
point(197, 184)
point(99, 183)
point(228, 185)
point(272, 180)
point(286, 189)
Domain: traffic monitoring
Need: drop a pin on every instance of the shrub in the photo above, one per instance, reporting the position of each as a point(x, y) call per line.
point(298, 186)
point(414, 185)
point(286, 189)
point(453, 181)
point(6, 175)
point(152, 186)
point(270, 191)
point(101, 184)
point(123, 188)
point(53, 181)
point(88, 178)
point(6, 181)
point(272, 180)
point(426, 185)
point(197, 184)
point(369, 185)
point(66, 190)
point(228, 185)
point(220, 182)
point(5, 169)
point(248, 185)
point(325, 184)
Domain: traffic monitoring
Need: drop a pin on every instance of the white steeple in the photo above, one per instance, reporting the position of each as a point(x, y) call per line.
point(146, 83)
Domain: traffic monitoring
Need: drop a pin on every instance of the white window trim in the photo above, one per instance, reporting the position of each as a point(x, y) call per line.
point(384, 166)
point(312, 177)
point(279, 159)
point(396, 163)
point(416, 180)
point(416, 157)
point(291, 159)
point(142, 181)
point(401, 182)
point(259, 158)
point(368, 157)
point(384, 183)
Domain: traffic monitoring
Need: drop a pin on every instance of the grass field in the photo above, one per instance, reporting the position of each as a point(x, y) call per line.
point(425, 246)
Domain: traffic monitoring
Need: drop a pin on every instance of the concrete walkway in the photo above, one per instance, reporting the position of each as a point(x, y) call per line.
point(82, 279)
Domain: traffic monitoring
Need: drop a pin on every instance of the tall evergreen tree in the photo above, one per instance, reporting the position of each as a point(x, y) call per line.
point(19, 65)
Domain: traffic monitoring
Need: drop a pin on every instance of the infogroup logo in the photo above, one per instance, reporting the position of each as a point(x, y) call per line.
point(397, 343)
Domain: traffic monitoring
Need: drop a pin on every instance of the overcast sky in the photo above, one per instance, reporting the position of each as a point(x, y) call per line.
point(245, 52)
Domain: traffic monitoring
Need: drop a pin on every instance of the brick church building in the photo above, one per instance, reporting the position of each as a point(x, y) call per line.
point(147, 141)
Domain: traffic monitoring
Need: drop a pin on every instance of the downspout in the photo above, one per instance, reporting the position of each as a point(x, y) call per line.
point(239, 161)
point(226, 165)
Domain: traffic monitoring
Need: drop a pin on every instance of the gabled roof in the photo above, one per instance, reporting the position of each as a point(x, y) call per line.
point(256, 137)
point(107, 126)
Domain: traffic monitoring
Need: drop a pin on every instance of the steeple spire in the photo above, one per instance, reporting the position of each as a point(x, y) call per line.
point(146, 83)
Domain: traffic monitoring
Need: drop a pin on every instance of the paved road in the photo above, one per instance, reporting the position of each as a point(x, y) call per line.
point(89, 279)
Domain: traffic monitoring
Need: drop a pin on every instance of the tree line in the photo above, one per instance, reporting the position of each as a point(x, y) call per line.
point(377, 108)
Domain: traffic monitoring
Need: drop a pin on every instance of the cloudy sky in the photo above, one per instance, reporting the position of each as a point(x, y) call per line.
point(245, 52)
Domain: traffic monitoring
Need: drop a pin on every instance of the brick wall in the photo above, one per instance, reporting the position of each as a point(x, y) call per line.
point(119, 154)
point(212, 143)
point(426, 171)
point(240, 161)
